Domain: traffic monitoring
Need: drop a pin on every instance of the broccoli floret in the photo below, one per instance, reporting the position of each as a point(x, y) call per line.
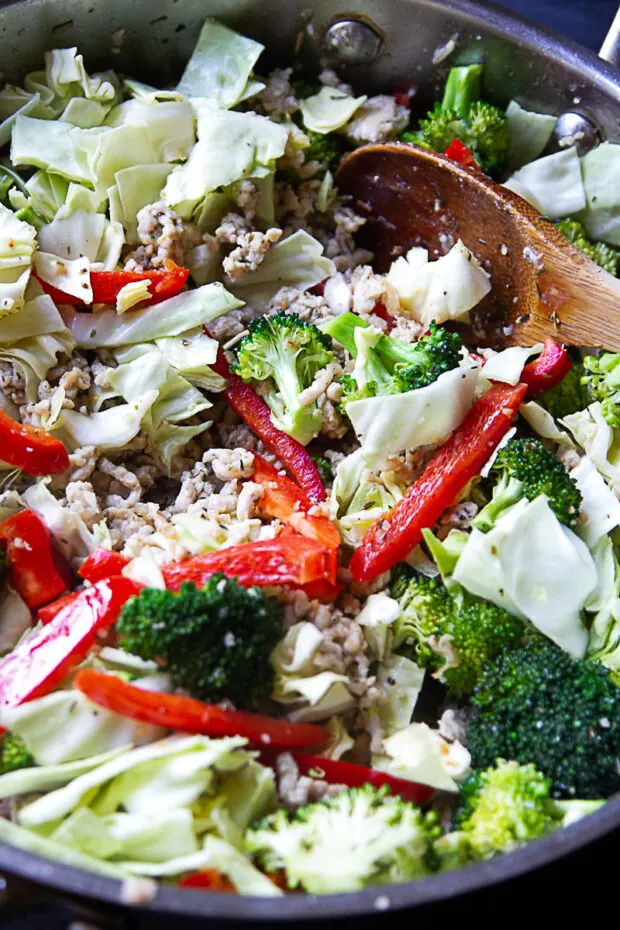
point(462, 115)
point(215, 642)
point(304, 86)
point(327, 148)
point(324, 467)
point(571, 394)
point(287, 353)
point(361, 837)
point(453, 635)
point(526, 468)
point(537, 704)
point(391, 366)
point(601, 253)
point(13, 754)
point(602, 375)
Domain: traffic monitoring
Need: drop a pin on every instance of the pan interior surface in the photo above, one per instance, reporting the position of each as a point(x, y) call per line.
point(151, 41)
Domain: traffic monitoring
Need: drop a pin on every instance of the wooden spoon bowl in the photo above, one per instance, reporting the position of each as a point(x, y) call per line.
point(542, 285)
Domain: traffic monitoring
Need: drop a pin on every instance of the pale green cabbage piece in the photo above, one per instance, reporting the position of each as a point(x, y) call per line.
point(148, 94)
point(71, 535)
point(83, 233)
point(71, 277)
point(551, 184)
point(135, 188)
point(543, 423)
point(445, 289)
point(169, 125)
point(26, 104)
point(388, 424)
point(376, 618)
point(596, 437)
point(56, 146)
point(601, 179)
point(604, 602)
point(66, 77)
point(297, 261)
point(15, 618)
point(535, 568)
point(108, 429)
point(528, 133)
point(87, 114)
point(162, 775)
point(17, 243)
point(599, 513)
point(50, 777)
point(507, 365)
point(220, 66)
point(421, 754)
point(231, 146)
point(171, 317)
point(330, 109)
point(402, 681)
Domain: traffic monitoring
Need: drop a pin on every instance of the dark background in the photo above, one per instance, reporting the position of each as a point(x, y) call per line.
point(559, 890)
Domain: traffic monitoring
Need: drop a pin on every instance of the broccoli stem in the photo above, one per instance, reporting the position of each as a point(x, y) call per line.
point(462, 89)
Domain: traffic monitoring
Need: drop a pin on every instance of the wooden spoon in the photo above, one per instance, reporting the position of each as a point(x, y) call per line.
point(542, 284)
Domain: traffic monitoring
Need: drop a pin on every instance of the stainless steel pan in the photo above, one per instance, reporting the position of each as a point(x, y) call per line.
point(151, 40)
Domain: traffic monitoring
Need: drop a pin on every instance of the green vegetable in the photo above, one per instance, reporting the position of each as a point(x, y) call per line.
point(325, 468)
point(13, 754)
point(601, 253)
point(571, 394)
point(602, 375)
point(287, 353)
point(391, 366)
point(462, 115)
point(216, 641)
point(538, 705)
point(444, 629)
point(361, 837)
point(304, 87)
point(526, 468)
point(327, 148)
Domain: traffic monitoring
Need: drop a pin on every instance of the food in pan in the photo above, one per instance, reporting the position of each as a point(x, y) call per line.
point(301, 592)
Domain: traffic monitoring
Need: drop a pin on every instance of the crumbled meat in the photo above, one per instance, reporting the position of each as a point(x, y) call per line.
point(329, 78)
point(160, 232)
point(454, 724)
point(72, 382)
point(408, 467)
point(249, 252)
point(81, 499)
point(309, 307)
point(277, 99)
point(230, 230)
point(230, 463)
point(247, 501)
point(295, 790)
point(377, 120)
point(124, 489)
point(12, 383)
point(231, 324)
point(457, 517)
point(368, 289)
point(322, 381)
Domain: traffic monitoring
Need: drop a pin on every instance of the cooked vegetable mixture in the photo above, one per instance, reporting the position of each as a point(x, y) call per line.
point(298, 591)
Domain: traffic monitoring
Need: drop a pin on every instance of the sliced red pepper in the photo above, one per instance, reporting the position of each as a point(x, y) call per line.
point(36, 570)
point(285, 500)
point(163, 283)
point(47, 613)
point(38, 664)
point(209, 880)
point(384, 314)
point(101, 564)
point(256, 414)
point(30, 448)
point(337, 772)
point(551, 367)
point(324, 591)
point(319, 289)
point(391, 538)
point(291, 560)
point(403, 99)
point(457, 151)
point(176, 712)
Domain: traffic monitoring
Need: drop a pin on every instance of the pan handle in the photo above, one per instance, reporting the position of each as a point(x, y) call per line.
point(610, 49)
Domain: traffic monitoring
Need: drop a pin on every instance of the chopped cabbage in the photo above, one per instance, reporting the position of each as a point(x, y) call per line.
point(420, 754)
point(445, 289)
point(169, 126)
point(528, 133)
point(551, 184)
point(220, 66)
point(596, 437)
point(601, 179)
point(71, 277)
point(330, 109)
point(535, 568)
point(73, 538)
point(17, 243)
point(600, 508)
point(402, 682)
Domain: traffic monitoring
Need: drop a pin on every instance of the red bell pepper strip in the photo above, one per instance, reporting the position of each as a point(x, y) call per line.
point(457, 151)
point(47, 613)
point(337, 772)
point(384, 314)
point(30, 448)
point(285, 500)
point(37, 572)
point(551, 367)
point(101, 564)
point(254, 411)
point(391, 538)
point(39, 663)
point(176, 712)
point(324, 591)
point(208, 880)
point(164, 283)
point(291, 560)
point(402, 98)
